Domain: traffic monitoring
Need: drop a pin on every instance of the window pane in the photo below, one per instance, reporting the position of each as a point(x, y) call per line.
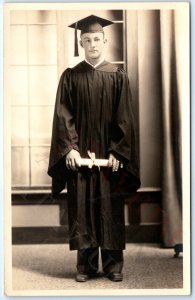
point(43, 84)
point(20, 166)
point(114, 46)
point(20, 130)
point(73, 15)
point(42, 44)
point(41, 119)
point(18, 44)
point(39, 166)
point(112, 15)
point(41, 16)
point(19, 85)
point(18, 17)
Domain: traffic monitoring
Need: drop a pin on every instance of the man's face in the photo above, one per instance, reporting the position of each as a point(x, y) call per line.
point(93, 44)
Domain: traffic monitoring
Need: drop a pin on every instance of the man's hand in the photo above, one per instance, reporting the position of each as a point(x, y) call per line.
point(73, 160)
point(113, 162)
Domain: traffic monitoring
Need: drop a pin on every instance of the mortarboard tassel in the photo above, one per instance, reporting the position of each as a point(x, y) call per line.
point(76, 50)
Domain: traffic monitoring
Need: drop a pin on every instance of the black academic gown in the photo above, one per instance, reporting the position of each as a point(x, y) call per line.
point(93, 111)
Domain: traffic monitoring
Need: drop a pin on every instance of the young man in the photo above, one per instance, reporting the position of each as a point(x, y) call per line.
point(93, 112)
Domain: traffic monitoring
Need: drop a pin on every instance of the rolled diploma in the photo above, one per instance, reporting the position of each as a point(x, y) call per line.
point(98, 162)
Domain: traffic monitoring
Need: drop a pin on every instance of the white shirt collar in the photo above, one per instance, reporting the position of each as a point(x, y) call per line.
point(94, 66)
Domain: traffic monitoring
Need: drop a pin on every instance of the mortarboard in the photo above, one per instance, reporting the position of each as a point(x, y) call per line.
point(91, 23)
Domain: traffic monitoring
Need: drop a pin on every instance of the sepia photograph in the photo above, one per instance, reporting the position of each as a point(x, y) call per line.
point(97, 149)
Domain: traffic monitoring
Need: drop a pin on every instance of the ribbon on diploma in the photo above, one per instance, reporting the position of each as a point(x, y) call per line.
point(92, 161)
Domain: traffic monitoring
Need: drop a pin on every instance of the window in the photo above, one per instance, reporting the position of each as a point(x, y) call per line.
point(42, 47)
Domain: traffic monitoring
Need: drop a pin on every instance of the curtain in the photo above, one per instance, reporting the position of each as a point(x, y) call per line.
point(157, 72)
point(171, 115)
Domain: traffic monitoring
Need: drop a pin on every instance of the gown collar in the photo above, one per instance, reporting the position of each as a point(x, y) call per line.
point(95, 66)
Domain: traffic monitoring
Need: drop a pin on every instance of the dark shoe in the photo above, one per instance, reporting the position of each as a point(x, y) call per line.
point(81, 277)
point(115, 276)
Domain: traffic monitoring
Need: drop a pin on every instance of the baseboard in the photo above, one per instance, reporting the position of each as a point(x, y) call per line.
point(58, 235)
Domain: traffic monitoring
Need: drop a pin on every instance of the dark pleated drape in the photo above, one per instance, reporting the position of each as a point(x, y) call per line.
point(154, 63)
point(171, 115)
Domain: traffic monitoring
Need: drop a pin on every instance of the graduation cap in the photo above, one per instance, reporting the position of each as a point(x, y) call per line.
point(91, 23)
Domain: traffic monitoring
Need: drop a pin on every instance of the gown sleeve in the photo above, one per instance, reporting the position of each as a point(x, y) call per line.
point(123, 141)
point(64, 136)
